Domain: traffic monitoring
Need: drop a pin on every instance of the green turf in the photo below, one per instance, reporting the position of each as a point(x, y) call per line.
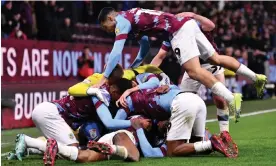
point(255, 136)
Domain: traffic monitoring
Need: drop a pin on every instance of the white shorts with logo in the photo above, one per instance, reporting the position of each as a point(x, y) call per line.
point(190, 85)
point(108, 138)
point(188, 117)
point(48, 120)
point(189, 42)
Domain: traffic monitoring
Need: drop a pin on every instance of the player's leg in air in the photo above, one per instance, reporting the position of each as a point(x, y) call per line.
point(185, 47)
point(120, 143)
point(208, 53)
point(190, 85)
point(180, 131)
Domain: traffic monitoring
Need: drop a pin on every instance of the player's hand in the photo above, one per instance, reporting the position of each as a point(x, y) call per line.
point(163, 126)
point(97, 92)
point(138, 123)
point(146, 124)
point(186, 14)
point(163, 89)
point(122, 99)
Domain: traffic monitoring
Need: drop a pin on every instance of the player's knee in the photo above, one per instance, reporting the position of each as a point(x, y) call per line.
point(119, 137)
point(124, 140)
point(35, 115)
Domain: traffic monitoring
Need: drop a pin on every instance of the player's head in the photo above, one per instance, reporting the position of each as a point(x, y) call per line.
point(107, 19)
point(119, 87)
point(116, 74)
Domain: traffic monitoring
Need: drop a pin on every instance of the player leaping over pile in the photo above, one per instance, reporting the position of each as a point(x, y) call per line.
point(188, 43)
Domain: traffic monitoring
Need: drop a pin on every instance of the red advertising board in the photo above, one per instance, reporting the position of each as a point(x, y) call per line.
point(37, 71)
point(25, 61)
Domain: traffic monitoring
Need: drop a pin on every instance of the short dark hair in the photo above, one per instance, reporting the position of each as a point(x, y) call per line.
point(123, 84)
point(104, 12)
point(116, 73)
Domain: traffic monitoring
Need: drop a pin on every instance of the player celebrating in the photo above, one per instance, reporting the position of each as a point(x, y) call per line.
point(187, 41)
point(55, 120)
point(84, 88)
point(150, 104)
point(190, 85)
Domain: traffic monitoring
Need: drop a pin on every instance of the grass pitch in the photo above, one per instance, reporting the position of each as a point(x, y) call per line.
point(255, 136)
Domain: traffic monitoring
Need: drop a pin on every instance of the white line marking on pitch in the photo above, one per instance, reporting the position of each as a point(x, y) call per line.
point(210, 120)
point(248, 114)
point(4, 154)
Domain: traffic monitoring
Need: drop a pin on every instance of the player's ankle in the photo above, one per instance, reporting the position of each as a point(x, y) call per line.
point(120, 151)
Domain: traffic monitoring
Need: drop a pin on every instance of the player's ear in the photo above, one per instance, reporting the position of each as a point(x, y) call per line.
point(109, 18)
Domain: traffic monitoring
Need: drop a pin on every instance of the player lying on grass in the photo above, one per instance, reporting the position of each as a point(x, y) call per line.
point(179, 106)
point(53, 146)
point(187, 41)
point(154, 137)
point(55, 119)
point(156, 147)
point(190, 85)
point(187, 106)
point(122, 143)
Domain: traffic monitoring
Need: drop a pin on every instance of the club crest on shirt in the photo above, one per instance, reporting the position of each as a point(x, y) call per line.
point(117, 30)
point(93, 133)
point(71, 136)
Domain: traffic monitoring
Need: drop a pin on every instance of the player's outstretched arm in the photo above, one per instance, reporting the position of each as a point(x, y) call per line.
point(106, 117)
point(144, 49)
point(122, 29)
point(145, 146)
point(206, 24)
point(121, 114)
point(151, 82)
point(161, 55)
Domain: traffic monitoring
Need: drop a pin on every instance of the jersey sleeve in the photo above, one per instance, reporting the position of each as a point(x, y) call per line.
point(106, 117)
point(166, 46)
point(147, 149)
point(147, 81)
point(143, 51)
point(121, 114)
point(80, 89)
point(122, 29)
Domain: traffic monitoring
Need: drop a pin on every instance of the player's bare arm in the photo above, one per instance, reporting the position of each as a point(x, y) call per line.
point(206, 24)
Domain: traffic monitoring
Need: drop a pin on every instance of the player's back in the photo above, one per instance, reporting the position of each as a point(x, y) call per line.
point(76, 108)
point(151, 104)
point(150, 22)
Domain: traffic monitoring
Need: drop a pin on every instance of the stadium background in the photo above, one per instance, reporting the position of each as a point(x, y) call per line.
point(48, 46)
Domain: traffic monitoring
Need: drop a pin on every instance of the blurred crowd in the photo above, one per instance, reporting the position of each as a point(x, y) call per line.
point(245, 30)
